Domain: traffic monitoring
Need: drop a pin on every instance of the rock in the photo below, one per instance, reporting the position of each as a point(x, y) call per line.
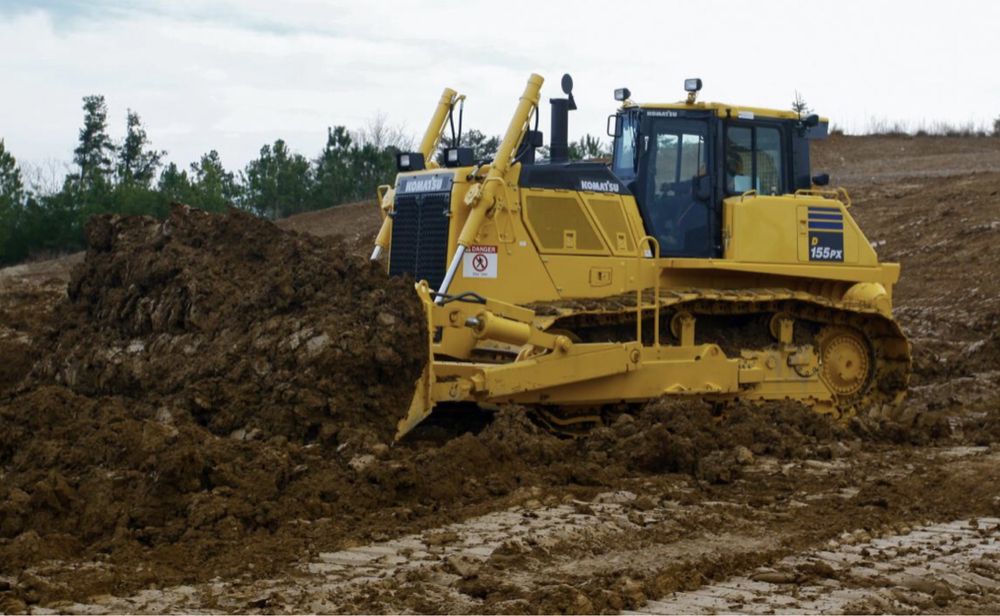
point(743, 455)
point(643, 503)
point(636, 518)
point(360, 463)
point(775, 577)
point(633, 592)
point(817, 568)
point(386, 319)
point(583, 508)
point(943, 594)
point(441, 538)
point(839, 450)
point(463, 566)
point(316, 344)
point(12, 605)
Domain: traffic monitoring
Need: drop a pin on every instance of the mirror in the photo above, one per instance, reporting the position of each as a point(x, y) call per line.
point(567, 84)
point(810, 120)
point(612, 128)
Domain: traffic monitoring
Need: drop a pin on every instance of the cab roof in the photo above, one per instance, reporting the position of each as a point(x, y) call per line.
point(722, 110)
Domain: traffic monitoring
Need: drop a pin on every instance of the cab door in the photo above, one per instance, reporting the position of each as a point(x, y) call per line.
point(676, 185)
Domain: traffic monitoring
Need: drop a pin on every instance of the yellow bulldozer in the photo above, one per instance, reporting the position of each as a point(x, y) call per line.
point(703, 260)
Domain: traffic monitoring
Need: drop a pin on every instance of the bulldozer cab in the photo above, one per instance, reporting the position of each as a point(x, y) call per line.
point(681, 163)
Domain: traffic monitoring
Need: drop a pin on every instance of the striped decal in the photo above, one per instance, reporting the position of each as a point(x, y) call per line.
point(829, 218)
point(826, 225)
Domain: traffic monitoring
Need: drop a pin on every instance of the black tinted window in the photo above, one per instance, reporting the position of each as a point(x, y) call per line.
point(753, 160)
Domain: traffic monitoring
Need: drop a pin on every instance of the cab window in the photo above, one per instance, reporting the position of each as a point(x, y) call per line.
point(624, 155)
point(753, 160)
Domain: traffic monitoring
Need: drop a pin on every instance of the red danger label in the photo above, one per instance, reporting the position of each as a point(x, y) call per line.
point(482, 249)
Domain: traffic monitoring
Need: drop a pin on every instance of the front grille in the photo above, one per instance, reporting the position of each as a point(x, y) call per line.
point(420, 236)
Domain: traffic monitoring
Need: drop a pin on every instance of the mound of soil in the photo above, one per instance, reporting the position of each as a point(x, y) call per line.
point(238, 324)
point(199, 367)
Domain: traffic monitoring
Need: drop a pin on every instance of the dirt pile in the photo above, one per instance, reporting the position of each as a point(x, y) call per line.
point(238, 324)
point(199, 367)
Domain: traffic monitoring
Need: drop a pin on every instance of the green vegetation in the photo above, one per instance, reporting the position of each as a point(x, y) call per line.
point(130, 178)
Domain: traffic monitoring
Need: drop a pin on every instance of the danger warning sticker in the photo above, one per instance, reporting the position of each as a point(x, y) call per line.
point(480, 262)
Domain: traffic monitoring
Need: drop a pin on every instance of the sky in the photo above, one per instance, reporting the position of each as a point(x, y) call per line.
point(232, 75)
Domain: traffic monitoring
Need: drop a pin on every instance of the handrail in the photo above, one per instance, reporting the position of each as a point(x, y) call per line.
point(838, 194)
point(640, 259)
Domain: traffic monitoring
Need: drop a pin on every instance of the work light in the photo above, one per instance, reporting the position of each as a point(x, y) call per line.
point(409, 161)
point(457, 157)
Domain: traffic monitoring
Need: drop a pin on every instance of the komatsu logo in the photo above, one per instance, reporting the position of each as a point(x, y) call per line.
point(595, 186)
point(426, 183)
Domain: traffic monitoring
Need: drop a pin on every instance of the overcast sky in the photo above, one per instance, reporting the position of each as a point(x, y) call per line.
point(235, 74)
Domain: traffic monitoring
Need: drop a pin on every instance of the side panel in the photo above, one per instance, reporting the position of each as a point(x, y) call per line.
point(794, 230)
point(761, 230)
point(503, 262)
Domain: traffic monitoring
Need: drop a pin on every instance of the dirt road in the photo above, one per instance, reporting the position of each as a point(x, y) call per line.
point(758, 514)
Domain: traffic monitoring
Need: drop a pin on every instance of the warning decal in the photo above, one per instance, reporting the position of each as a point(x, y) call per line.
point(480, 262)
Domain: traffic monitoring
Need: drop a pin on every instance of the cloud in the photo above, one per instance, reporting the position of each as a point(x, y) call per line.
point(233, 75)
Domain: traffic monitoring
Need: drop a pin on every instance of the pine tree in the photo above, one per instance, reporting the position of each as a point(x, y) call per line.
point(277, 183)
point(333, 183)
point(95, 151)
point(213, 188)
point(11, 200)
point(137, 164)
point(174, 185)
point(11, 183)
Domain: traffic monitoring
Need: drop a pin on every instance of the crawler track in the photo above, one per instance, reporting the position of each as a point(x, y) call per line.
point(738, 320)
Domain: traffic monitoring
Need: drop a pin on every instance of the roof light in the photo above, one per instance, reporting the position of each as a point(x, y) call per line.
point(622, 94)
point(692, 85)
point(457, 157)
point(409, 161)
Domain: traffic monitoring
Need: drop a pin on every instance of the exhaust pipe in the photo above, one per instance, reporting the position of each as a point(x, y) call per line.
point(559, 145)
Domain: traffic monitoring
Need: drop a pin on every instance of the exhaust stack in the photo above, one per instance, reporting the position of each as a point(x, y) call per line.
point(559, 146)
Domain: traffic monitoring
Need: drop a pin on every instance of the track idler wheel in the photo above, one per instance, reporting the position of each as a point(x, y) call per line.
point(846, 362)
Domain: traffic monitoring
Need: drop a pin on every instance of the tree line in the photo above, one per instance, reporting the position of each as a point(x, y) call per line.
point(131, 177)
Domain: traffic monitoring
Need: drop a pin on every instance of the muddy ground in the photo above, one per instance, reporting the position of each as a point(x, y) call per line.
point(176, 453)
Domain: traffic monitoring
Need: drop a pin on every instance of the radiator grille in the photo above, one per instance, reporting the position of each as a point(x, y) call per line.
point(420, 237)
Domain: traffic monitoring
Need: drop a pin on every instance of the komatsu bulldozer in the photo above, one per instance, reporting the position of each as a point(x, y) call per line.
point(703, 260)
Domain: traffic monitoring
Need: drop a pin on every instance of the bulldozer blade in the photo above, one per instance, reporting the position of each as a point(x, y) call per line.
point(420, 406)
